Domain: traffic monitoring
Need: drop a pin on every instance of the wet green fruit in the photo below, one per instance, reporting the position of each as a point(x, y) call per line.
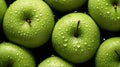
point(15, 56)
point(108, 54)
point(54, 61)
point(106, 13)
point(28, 23)
point(65, 5)
point(3, 8)
point(76, 37)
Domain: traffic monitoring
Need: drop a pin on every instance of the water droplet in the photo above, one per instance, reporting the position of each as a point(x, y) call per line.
point(86, 25)
point(59, 28)
point(34, 10)
point(93, 40)
point(37, 19)
point(61, 33)
point(61, 65)
point(118, 17)
point(63, 37)
point(66, 40)
point(106, 4)
point(36, 16)
point(82, 50)
point(75, 49)
point(48, 61)
point(85, 43)
point(40, 14)
point(66, 30)
point(17, 54)
point(78, 46)
point(106, 8)
point(108, 12)
point(64, 45)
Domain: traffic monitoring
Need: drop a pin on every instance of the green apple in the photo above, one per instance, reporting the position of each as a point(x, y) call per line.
point(28, 23)
point(65, 5)
point(12, 55)
point(54, 61)
point(106, 13)
point(108, 54)
point(3, 8)
point(76, 37)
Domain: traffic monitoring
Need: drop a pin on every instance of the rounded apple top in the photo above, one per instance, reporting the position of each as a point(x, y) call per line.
point(65, 5)
point(76, 37)
point(54, 61)
point(28, 23)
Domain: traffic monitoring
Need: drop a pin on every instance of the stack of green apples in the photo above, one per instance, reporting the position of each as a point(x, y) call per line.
point(59, 33)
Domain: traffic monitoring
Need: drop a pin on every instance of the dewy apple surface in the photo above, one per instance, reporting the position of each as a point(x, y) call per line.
point(30, 25)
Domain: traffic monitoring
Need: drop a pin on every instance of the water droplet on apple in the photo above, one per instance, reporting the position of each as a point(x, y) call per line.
point(76, 49)
point(48, 61)
point(106, 4)
point(106, 8)
point(118, 17)
point(64, 45)
point(66, 40)
point(82, 50)
point(36, 16)
point(86, 25)
point(40, 14)
point(85, 43)
point(66, 30)
point(93, 40)
point(78, 46)
point(59, 28)
point(61, 33)
point(61, 65)
point(34, 10)
point(97, 7)
point(37, 19)
point(108, 12)
point(63, 37)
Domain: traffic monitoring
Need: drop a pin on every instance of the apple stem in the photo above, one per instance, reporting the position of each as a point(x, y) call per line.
point(115, 6)
point(76, 31)
point(28, 20)
point(117, 54)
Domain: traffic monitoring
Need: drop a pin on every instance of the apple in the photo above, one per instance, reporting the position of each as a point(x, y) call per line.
point(76, 37)
point(12, 55)
point(28, 23)
point(106, 13)
point(3, 8)
point(108, 54)
point(54, 61)
point(65, 5)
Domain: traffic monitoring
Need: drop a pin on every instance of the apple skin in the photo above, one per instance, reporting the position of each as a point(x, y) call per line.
point(76, 49)
point(3, 8)
point(107, 54)
point(106, 13)
point(12, 55)
point(54, 61)
point(65, 5)
point(28, 23)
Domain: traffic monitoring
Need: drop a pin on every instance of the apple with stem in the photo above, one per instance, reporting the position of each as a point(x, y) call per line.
point(106, 13)
point(76, 37)
point(3, 8)
point(54, 61)
point(65, 5)
point(28, 23)
point(108, 54)
point(12, 55)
